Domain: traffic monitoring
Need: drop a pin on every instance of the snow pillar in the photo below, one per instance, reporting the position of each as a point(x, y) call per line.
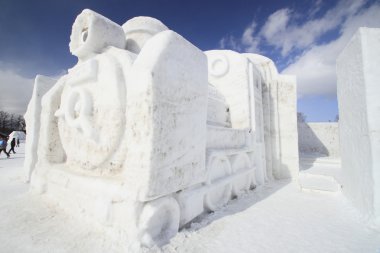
point(358, 79)
point(33, 121)
point(284, 130)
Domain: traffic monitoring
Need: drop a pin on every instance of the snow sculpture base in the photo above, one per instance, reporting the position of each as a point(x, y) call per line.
point(144, 133)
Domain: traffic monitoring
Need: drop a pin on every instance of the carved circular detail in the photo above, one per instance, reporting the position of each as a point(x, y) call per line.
point(159, 221)
point(91, 117)
point(218, 65)
point(241, 184)
point(78, 110)
point(219, 193)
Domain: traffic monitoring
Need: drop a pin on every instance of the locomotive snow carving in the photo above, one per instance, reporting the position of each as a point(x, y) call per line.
point(146, 132)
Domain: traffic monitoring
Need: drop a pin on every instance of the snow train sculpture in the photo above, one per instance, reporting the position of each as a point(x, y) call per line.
point(146, 131)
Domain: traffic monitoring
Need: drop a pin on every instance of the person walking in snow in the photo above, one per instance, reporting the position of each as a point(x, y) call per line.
point(13, 144)
point(18, 143)
point(3, 146)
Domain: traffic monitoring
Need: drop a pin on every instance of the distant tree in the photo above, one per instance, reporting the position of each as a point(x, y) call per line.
point(21, 125)
point(11, 121)
point(301, 117)
point(4, 119)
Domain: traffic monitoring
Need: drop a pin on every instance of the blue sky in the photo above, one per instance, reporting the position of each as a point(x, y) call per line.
point(302, 37)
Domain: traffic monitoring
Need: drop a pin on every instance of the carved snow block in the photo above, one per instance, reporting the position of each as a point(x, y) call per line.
point(167, 114)
point(33, 121)
point(358, 79)
point(287, 126)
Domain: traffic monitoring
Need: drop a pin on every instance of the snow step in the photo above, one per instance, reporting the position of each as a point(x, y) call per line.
point(309, 160)
point(322, 177)
point(318, 182)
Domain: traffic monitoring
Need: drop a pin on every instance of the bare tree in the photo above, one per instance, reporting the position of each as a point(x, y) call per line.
point(301, 117)
point(4, 119)
point(10, 121)
point(21, 125)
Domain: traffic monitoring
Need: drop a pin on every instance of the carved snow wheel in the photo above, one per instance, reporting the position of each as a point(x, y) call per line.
point(159, 221)
point(242, 183)
point(220, 192)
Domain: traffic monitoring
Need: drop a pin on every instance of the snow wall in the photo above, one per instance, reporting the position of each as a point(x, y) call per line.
point(358, 79)
point(319, 139)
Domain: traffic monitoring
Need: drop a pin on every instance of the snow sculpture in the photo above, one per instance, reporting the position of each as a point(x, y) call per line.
point(359, 120)
point(146, 132)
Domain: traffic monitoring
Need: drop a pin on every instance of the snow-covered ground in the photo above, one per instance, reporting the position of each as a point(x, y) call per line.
point(277, 217)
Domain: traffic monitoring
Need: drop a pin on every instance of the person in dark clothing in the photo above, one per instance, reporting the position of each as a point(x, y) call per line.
point(13, 144)
point(3, 146)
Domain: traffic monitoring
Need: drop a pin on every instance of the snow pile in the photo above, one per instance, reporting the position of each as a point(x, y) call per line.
point(18, 135)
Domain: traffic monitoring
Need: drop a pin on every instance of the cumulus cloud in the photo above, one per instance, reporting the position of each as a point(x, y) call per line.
point(230, 42)
point(317, 6)
point(15, 91)
point(301, 43)
point(315, 68)
point(282, 31)
point(248, 39)
point(247, 42)
point(275, 29)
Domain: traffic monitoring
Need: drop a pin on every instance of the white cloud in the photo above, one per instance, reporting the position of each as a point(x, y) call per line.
point(248, 40)
point(315, 69)
point(317, 5)
point(283, 32)
point(315, 65)
point(231, 42)
point(15, 91)
point(276, 25)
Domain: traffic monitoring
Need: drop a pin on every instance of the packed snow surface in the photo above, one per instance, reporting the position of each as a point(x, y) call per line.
point(277, 217)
